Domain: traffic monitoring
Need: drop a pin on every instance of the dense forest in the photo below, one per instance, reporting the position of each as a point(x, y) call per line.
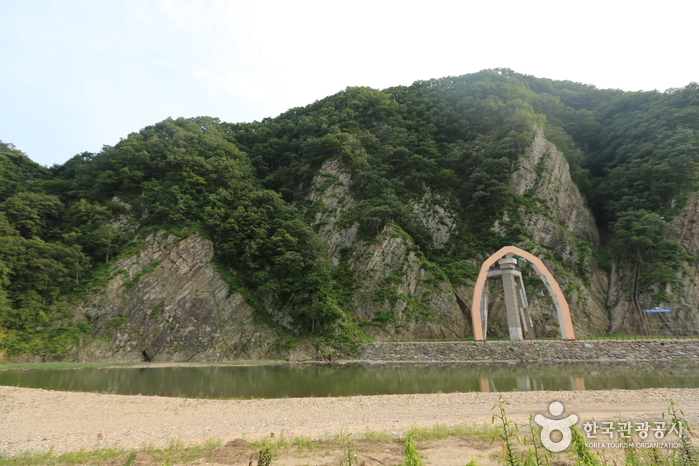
point(246, 186)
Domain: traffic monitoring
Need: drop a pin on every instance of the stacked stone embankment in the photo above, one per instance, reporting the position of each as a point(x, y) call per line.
point(532, 350)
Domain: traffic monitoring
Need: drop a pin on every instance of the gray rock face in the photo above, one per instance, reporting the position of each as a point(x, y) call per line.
point(168, 302)
point(398, 285)
point(395, 293)
point(544, 174)
point(331, 193)
point(435, 218)
point(624, 319)
point(561, 226)
point(683, 297)
point(686, 227)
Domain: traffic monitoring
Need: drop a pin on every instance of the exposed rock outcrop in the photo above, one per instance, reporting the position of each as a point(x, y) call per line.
point(168, 302)
point(544, 174)
point(399, 291)
point(682, 298)
point(332, 197)
point(396, 295)
point(435, 218)
point(686, 227)
point(562, 227)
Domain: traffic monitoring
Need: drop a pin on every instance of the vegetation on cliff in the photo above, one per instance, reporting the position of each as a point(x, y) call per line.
point(455, 141)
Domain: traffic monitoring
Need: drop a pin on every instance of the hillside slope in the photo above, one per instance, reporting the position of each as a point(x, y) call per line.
point(365, 214)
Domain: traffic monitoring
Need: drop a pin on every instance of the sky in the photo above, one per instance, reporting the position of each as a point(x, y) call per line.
point(76, 75)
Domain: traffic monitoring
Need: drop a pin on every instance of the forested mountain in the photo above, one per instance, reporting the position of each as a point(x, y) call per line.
point(358, 215)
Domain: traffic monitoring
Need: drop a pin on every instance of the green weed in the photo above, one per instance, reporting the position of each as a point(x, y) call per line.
point(349, 455)
point(582, 453)
point(264, 458)
point(507, 431)
point(131, 458)
point(410, 451)
point(536, 454)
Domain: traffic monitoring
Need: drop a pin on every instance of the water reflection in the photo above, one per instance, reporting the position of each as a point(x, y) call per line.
point(355, 379)
point(528, 384)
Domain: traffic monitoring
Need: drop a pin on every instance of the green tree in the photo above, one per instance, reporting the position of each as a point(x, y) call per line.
point(641, 240)
point(32, 214)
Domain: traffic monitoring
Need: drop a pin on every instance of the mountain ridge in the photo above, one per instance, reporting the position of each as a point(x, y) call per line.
point(360, 215)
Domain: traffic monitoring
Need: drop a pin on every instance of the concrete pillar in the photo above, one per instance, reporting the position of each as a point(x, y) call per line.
point(507, 265)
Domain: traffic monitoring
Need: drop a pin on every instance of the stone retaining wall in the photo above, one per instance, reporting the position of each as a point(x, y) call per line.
point(532, 350)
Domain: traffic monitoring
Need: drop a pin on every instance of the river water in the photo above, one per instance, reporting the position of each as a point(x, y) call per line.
point(308, 380)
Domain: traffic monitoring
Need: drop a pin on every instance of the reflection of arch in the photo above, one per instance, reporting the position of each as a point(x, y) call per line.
point(542, 272)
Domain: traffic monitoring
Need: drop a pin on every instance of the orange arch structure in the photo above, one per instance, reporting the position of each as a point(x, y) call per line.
point(564, 320)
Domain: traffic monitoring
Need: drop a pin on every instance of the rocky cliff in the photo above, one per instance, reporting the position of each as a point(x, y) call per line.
point(564, 235)
point(168, 302)
point(392, 284)
point(682, 297)
point(395, 294)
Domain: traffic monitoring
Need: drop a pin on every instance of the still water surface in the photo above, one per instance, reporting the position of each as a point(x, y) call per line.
point(306, 380)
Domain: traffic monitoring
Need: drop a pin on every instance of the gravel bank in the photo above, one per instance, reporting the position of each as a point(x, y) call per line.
point(35, 419)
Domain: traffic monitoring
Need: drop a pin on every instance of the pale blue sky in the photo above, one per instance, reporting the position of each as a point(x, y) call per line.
point(79, 74)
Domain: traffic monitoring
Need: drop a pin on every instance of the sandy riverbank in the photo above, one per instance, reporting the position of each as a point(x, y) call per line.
point(35, 419)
